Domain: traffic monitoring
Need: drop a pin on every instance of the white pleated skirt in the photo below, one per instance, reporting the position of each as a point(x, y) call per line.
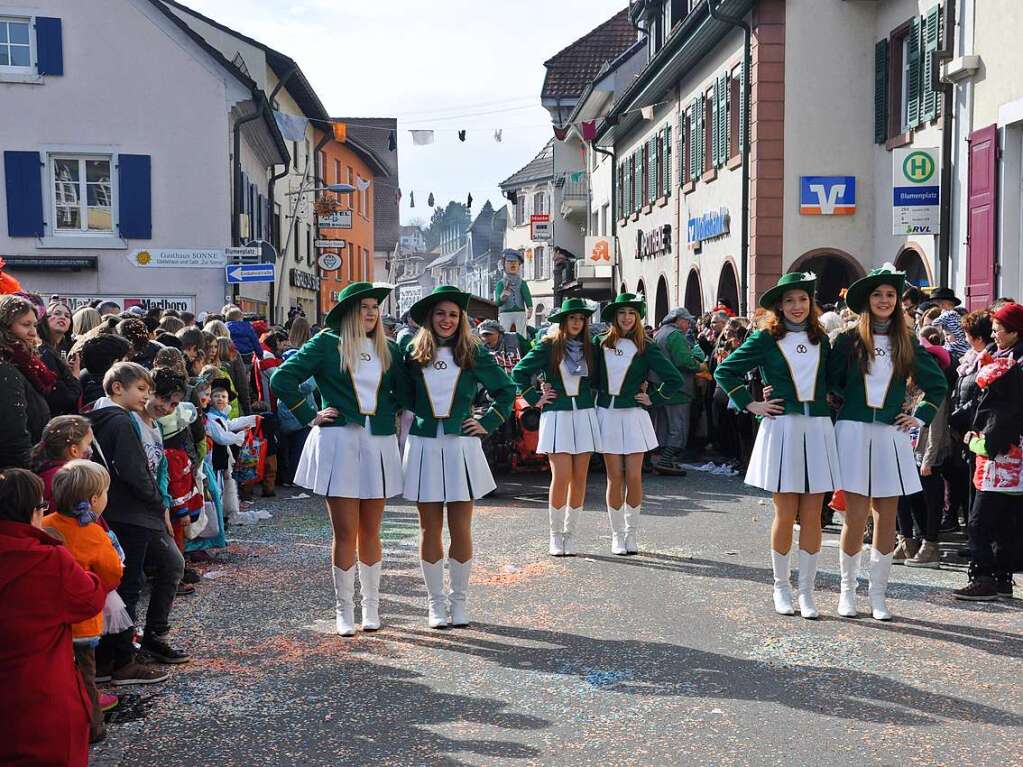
point(795, 454)
point(446, 468)
point(350, 462)
point(570, 431)
point(625, 431)
point(877, 460)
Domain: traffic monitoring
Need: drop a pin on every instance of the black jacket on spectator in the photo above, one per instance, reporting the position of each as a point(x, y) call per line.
point(92, 387)
point(147, 356)
point(134, 497)
point(23, 415)
point(65, 399)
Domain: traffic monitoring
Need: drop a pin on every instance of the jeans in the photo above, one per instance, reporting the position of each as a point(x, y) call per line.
point(671, 422)
point(994, 527)
point(142, 545)
point(923, 510)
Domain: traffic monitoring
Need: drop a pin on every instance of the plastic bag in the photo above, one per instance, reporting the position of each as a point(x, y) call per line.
point(212, 528)
point(115, 615)
point(251, 463)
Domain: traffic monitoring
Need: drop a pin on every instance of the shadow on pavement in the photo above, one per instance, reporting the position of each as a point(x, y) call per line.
point(655, 668)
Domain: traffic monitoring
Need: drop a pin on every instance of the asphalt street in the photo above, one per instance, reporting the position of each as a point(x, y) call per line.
point(671, 657)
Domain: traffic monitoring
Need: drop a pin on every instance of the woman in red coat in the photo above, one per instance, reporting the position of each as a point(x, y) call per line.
point(42, 592)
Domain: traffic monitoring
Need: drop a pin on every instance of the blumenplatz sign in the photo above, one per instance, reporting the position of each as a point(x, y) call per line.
point(916, 192)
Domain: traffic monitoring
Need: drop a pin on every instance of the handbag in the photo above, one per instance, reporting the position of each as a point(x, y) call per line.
point(250, 466)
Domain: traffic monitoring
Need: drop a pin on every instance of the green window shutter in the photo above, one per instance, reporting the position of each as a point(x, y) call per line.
point(682, 146)
point(701, 134)
point(723, 118)
point(637, 181)
point(726, 143)
point(694, 125)
point(667, 160)
point(931, 39)
point(627, 197)
point(651, 172)
point(715, 124)
point(914, 91)
point(742, 104)
point(881, 92)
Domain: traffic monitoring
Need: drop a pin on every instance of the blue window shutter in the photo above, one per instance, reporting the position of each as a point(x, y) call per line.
point(135, 196)
point(23, 179)
point(49, 46)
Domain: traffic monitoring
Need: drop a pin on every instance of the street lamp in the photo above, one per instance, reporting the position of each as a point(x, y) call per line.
point(338, 188)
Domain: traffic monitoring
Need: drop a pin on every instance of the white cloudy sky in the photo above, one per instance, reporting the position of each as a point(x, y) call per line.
point(423, 60)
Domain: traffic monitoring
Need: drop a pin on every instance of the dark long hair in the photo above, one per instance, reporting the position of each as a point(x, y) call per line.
point(774, 323)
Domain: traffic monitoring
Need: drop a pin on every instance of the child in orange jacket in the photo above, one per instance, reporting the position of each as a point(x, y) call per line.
point(80, 496)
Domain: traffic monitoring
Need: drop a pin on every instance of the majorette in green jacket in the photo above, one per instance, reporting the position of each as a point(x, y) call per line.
point(781, 363)
point(462, 383)
point(538, 362)
point(652, 358)
point(319, 358)
point(884, 397)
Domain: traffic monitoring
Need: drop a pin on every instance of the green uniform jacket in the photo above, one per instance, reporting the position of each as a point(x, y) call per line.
point(683, 358)
point(485, 373)
point(320, 359)
point(760, 350)
point(538, 361)
point(527, 297)
point(650, 359)
point(847, 381)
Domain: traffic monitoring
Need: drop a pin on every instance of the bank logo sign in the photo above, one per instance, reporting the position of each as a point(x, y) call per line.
point(916, 191)
point(827, 195)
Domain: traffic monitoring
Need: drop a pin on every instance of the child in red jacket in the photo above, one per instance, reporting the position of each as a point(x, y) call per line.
point(64, 439)
point(42, 592)
point(80, 494)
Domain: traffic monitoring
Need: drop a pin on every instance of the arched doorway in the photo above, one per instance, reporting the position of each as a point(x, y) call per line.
point(912, 263)
point(661, 305)
point(728, 287)
point(641, 290)
point(625, 289)
point(835, 270)
point(694, 296)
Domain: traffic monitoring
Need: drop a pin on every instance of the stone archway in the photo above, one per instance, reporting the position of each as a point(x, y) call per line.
point(694, 294)
point(835, 270)
point(911, 261)
point(661, 306)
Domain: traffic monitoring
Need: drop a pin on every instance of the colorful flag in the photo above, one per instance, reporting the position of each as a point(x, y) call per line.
point(589, 130)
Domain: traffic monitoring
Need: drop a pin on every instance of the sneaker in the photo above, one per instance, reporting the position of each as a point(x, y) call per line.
point(107, 702)
point(929, 555)
point(949, 524)
point(906, 549)
point(981, 589)
point(190, 576)
point(161, 652)
point(185, 590)
point(1003, 586)
point(136, 673)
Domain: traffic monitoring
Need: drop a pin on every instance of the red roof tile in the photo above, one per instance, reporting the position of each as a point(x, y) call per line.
point(573, 68)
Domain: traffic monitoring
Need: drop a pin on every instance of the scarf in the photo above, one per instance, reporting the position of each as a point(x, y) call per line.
point(879, 327)
point(575, 360)
point(795, 327)
point(32, 367)
point(84, 513)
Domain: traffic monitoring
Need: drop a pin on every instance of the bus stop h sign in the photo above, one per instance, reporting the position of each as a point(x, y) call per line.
point(916, 191)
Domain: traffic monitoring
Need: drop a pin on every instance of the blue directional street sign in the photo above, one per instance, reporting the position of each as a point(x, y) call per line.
point(249, 273)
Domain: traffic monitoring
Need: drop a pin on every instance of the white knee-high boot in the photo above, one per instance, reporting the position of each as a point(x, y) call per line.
point(557, 524)
point(433, 576)
point(616, 518)
point(848, 567)
point(571, 519)
point(807, 577)
point(344, 595)
point(459, 572)
point(880, 568)
point(369, 582)
point(782, 583)
point(632, 527)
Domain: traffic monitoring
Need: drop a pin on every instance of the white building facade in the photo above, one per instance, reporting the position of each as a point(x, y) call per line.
point(127, 196)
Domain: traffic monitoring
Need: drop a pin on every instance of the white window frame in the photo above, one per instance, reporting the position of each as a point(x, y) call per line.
point(539, 267)
point(81, 158)
point(18, 18)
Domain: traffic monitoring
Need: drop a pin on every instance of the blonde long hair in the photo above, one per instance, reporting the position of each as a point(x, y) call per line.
point(637, 336)
point(424, 345)
point(351, 333)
